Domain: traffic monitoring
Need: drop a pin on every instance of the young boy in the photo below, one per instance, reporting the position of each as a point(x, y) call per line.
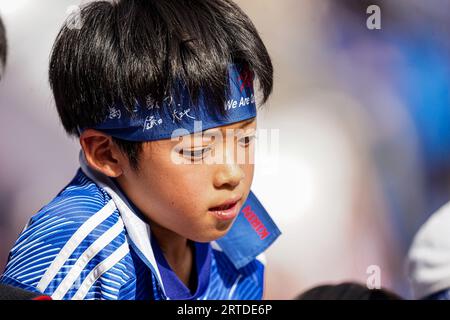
point(160, 208)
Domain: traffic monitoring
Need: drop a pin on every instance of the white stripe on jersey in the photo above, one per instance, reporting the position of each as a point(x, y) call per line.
point(137, 229)
point(84, 259)
point(233, 288)
point(100, 269)
point(74, 242)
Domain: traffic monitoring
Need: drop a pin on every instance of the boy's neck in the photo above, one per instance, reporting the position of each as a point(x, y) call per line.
point(178, 252)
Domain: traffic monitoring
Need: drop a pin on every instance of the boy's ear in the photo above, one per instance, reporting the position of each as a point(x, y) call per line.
point(101, 153)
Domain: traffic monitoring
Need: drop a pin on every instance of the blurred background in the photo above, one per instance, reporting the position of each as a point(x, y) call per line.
point(364, 132)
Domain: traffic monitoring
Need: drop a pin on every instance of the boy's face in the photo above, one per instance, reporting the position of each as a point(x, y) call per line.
point(183, 197)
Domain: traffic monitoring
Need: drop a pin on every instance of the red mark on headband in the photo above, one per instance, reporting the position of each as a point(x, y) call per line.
point(245, 78)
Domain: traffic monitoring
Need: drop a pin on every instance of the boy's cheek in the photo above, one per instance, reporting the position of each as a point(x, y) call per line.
point(249, 170)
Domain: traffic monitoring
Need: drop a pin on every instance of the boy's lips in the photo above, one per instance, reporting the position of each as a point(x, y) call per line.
point(227, 210)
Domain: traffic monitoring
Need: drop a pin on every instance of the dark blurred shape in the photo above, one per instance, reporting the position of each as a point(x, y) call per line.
point(3, 47)
point(12, 293)
point(347, 291)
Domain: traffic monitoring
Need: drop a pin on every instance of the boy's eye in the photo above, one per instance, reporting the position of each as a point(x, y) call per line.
point(245, 141)
point(195, 154)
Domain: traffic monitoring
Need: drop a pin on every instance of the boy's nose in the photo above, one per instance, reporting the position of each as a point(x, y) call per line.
point(229, 175)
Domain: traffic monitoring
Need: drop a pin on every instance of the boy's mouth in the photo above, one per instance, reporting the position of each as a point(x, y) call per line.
point(226, 211)
point(221, 208)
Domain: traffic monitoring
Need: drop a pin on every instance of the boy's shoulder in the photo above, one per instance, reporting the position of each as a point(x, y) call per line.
point(79, 208)
point(78, 200)
point(67, 245)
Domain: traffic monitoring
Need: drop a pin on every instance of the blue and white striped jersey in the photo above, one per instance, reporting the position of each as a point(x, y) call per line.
point(88, 243)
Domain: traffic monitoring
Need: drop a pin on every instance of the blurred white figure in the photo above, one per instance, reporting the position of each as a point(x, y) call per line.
point(429, 256)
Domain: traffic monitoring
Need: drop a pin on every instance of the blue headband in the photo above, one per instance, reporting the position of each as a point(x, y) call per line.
point(178, 117)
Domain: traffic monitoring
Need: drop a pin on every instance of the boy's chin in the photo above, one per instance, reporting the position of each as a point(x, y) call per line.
point(214, 234)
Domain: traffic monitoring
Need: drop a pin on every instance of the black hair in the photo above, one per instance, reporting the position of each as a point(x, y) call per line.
point(3, 47)
point(128, 50)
